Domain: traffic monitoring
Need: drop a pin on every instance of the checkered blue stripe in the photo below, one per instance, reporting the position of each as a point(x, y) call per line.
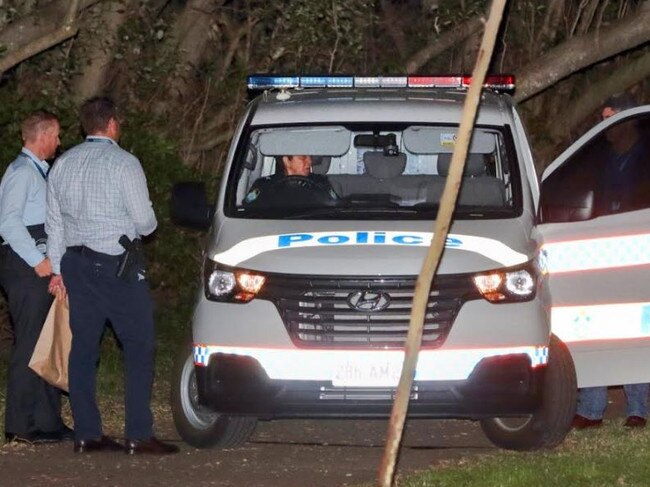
point(539, 356)
point(201, 355)
point(597, 253)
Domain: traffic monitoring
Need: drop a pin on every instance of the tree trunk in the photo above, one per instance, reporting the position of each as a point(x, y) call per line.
point(548, 32)
point(192, 35)
point(100, 50)
point(390, 20)
point(581, 52)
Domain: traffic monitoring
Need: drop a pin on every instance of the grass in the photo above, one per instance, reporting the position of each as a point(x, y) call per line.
point(609, 456)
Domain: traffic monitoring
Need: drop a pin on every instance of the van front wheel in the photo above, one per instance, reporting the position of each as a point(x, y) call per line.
point(198, 425)
point(550, 423)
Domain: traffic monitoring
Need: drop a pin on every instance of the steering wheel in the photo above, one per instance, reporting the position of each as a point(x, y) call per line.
point(299, 182)
point(304, 190)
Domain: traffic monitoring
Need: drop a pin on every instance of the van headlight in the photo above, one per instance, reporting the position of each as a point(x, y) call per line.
point(222, 283)
point(508, 285)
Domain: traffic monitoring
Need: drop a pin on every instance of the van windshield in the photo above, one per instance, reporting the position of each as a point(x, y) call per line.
point(369, 172)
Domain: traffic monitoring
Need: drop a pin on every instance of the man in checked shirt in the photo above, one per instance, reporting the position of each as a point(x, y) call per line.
point(96, 193)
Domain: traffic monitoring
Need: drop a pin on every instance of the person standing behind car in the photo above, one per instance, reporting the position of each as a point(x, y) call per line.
point(33, 408)
point(625, 170)
point(97, 192)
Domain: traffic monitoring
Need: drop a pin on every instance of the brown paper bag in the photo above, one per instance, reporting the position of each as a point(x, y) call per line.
point(50, 357)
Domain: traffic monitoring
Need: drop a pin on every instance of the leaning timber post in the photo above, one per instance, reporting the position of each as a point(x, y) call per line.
point(432, 258)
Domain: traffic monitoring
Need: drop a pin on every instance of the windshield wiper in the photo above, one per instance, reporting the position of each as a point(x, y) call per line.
point(350, 210)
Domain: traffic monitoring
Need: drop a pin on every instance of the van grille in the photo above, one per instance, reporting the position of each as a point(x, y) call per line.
point(320, 312)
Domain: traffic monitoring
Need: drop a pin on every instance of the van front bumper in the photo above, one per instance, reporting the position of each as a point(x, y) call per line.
point(498, 385)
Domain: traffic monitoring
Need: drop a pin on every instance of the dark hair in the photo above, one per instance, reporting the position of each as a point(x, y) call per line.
point(620, 102)
point(95, 114)
point(36, 122)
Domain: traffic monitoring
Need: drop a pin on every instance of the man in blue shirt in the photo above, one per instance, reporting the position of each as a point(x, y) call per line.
point(33, 408)
point(623, 189)
point(96, 198)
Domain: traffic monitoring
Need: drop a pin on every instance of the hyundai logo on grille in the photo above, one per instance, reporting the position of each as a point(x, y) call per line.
point(368, 301)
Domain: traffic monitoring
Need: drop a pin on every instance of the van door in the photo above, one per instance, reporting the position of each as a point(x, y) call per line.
point(595, 234)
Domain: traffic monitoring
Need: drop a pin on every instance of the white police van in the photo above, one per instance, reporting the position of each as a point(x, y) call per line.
point(308, 278)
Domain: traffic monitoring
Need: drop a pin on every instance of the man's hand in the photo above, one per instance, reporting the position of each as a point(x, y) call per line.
point(56, 286)
point(44, 268)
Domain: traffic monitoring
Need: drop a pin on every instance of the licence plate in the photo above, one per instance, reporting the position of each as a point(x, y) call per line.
point(376, 373)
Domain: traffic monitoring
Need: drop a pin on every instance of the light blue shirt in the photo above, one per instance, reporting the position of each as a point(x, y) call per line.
point(96, 192)
point(22, 204)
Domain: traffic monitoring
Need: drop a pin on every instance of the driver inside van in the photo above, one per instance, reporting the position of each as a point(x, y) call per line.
point(294, 186)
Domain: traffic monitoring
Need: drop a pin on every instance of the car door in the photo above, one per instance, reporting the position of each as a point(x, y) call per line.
point(594, 226)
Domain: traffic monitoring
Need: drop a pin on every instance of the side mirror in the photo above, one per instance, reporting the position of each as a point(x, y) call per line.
point(190, 207)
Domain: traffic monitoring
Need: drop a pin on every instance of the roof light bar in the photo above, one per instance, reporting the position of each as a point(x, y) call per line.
point(435, 81)
point(499, 82)
point(261, 82)
point(503, 83)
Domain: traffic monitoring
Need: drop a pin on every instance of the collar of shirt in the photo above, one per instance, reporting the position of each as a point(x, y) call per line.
point(100, 139)
point(42, 165)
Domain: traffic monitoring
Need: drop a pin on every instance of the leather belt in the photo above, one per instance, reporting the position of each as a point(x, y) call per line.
point(93, 254)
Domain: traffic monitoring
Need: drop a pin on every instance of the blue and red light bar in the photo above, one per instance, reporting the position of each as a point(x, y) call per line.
point(503, 83)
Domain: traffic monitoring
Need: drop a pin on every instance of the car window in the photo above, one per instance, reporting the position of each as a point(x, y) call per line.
point(609, 175)
point(369, 171)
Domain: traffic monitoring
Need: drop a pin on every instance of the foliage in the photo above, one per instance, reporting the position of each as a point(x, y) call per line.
point(320, 36)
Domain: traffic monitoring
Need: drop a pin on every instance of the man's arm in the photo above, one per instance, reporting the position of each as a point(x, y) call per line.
point(12, 227)
point(54, 227)
point(136, 198)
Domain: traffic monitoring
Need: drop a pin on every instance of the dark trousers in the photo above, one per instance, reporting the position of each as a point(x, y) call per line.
point(95, 296)
point(32, 405)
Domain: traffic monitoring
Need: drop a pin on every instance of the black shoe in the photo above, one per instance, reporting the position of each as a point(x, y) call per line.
point(581, 423)
point(105, 443)
point(36, 437)
point(635, 422)
point(67, 434)
point(152, 446)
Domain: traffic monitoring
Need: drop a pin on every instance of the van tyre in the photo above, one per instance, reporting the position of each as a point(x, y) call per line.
point(546, 427)
point(198, 425)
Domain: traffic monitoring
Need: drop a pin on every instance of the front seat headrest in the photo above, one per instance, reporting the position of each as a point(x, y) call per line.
point(381, 166)
point(320, 164)
point(475, 165)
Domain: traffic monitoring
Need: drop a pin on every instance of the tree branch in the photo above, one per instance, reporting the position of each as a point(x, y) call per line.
point(68, 29)
point(41, 22)
point(583, 51)
point(442, 43)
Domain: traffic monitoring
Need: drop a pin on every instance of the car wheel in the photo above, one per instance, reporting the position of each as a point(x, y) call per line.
point(550, 423)
point(197, 424)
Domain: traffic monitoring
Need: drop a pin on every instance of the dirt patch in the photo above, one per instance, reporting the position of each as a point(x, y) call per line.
point(287, 453)
point(282, 453)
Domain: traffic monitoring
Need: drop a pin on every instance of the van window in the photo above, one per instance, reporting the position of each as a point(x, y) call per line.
point(609, 175)
point(359, 172)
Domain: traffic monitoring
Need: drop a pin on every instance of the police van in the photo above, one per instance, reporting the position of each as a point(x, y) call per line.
point(308, 275)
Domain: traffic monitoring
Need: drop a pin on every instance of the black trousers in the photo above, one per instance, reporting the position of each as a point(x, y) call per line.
point(32, 405)
point(97, 295)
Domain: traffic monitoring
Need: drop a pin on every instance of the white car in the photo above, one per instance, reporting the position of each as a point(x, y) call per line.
point(308, 277)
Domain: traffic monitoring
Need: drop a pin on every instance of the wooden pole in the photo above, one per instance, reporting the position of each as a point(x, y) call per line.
point(432, 259)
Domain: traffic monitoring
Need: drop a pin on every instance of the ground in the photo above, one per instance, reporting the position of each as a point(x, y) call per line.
point(283, 453)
